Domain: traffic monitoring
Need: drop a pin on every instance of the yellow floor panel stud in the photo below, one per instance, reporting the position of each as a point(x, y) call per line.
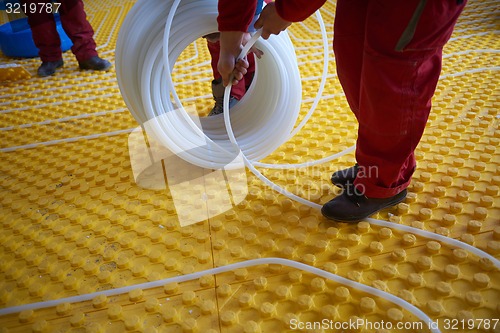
point(73, 220)
point(13, 72)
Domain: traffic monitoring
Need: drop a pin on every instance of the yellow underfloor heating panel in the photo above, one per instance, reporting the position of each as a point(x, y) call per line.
point(13, 72)
point(73, 221)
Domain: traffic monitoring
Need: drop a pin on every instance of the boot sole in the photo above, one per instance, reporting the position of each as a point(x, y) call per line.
point(103, 69)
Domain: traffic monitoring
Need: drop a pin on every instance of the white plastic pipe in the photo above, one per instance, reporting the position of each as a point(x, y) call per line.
point(232, 267)
point(251, 165)
point(144, 76)
point(147, 49)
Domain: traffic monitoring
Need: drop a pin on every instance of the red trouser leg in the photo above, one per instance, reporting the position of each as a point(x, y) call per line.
point(237, 91)
point(348, 43)
point(44, 32)
point(78, 29)
point(390, 91)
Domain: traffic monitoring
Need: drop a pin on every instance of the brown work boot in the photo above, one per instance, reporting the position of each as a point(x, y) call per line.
point(48, 68)
point(354, 206)
point(95, 63)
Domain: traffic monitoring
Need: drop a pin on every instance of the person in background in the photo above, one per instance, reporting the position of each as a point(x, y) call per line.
point(238, 90)
point(388, 56)
point(76, 26)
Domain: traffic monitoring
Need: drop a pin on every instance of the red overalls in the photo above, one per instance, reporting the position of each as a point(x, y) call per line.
point(390, 90)
point(388, 55)
point(74, 23)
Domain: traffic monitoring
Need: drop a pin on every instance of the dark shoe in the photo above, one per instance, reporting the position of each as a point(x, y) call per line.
point(48, 68)
point(345, 177)
point(218, 93)
point(95, 63)
point(352, 206)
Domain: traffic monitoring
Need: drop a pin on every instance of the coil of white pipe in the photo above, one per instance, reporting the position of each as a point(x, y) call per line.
point(147, 19)
point(261, 125)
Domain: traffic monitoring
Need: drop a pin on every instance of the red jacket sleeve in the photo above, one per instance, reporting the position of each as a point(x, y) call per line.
point(297, 10)
point(236, 15)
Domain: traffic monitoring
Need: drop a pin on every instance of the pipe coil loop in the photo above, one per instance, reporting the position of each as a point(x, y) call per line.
point(148, 46)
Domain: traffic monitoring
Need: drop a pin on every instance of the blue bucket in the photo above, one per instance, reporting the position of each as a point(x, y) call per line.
point(16, 40)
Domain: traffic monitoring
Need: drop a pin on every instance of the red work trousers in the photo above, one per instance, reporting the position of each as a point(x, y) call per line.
point(238, 90)
point(390, 90)
point(74, 23)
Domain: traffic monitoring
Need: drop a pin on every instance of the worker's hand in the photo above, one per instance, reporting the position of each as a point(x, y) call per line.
point(270, 21)
point(215, 37)
point(227, 65)
point(230, 48)
point(231, 44)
